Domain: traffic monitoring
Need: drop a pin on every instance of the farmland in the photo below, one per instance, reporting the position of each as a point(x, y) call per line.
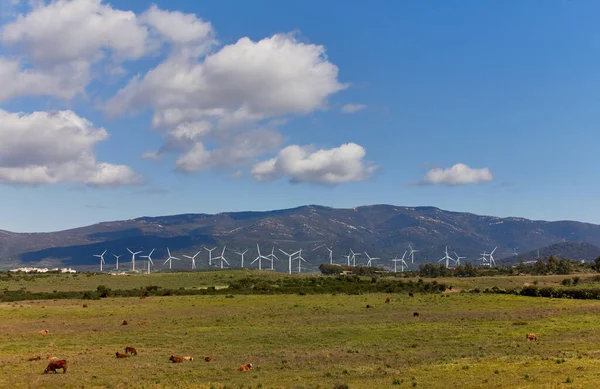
point(298, 341)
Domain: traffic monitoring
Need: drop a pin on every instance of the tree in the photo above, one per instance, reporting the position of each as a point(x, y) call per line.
point(564, 267)
point(596, 265)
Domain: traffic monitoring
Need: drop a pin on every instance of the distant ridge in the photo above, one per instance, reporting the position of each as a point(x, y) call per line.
point(381, 230)
point(576, 251)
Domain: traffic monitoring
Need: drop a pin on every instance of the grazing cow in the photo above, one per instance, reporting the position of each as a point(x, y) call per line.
point(388, 299)
point(142, 297)
point(52, 358)
point(130, 350)
point(119, 355)
point(416, 314)
point(369, 306)
point(531, 337)
point(124, 323)
point(208, 359)
point(85, 305)
point(52, 366)
point(188, 358)
point(44, 332)
point(175, 359)
point(34, 358)
point(410, 294)
point(246, 367)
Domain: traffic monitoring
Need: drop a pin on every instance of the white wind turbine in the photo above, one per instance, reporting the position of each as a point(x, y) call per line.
point(402, 262)
point(348, 258)
point(101, 256)
point(491, 257)
point(458, 258)
point(354, 257)
point(242, 254)
point(289, 259)
point(483, 259)
point(170, 259)
point(150, 261)
point(117, 258)
point(330, 255)
point(412, 254)
point(210, 258)
point(193, 258)
point(133, 258)
point(447, 258)
point(370, 259)
point(300, 259)
point(259, 258)
point(272, 257)
point(222, 257)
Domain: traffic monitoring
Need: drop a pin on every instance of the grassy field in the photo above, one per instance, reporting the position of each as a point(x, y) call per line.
point(460, 341)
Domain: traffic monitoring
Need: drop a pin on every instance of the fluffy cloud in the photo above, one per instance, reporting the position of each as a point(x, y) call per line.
point(221, 98)
point(54, 147)
point(459, 174)
point(353, 108)
point(177, 27)
point(302, 164)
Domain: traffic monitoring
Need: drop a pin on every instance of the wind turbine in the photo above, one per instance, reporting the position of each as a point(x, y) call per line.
point(491, 256)
point(149, 257)
point(289, 259)
point(133, 258)
point(354, 257)
point(330, 255)
point(348, 258)
point(222, 257)
point(402, 263)
point(101, 256)
point(370, 259)
point(272, 257)
point(300, 259)
point(447, 258)
point(259, 258)
point(242, 254)
point(458, 258)
point(412, 254)
point(170, 259)
point(193, 258)
point(117, 257)
point(210, 258)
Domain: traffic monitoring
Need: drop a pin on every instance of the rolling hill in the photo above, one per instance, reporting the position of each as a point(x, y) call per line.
point(381, 230)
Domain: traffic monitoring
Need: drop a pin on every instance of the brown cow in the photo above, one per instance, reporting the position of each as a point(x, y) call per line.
point(44, 332)
point(531, 336)
point(142, 323)
point(410, 294)
point(124, 323)
point(142, 297)
point(119, 355)
point(416, 314)
point(369, 306)
point(85, 305)
point(388, 299)
point(52, 366)
point(208, 359)
point(175, 359)
point(34, 358)
point(130, 350)
point(188, 358)
point(246, 367)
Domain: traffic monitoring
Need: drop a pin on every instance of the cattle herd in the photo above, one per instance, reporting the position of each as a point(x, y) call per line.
point(131, 351)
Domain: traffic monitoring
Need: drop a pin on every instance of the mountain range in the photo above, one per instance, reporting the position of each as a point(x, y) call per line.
point(382, 231)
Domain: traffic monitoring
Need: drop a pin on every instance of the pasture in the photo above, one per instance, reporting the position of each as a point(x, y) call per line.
point(460, 340)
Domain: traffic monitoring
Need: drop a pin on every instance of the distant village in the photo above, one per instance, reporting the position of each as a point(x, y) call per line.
point(42, 270)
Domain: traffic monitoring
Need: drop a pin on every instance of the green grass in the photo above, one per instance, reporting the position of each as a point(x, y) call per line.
point(460, 341)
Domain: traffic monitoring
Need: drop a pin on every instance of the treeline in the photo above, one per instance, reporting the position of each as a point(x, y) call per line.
point(543, 266)
point(328, 269)
point(352, 284)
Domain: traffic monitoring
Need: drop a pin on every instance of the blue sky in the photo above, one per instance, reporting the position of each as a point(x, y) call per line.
point(507, 89)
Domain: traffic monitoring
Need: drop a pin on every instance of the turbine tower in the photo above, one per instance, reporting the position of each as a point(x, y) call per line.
point(117, 257)
point(330, 255)
point(242, 254)
point(133, 258)
point(348, 258)
point(396, 260)
point(370, 259)
point(447, 258)
point(289, 259)
point(193, 258)
point(354, 257)
point(412, 254)
point(222, 257)
point(210, 258)
point(458, 258)
point(149, 257)
point(170, 259)
point(259, 258)
point(300, 259)
point(272, 257)
point(101, 256)
point(491, 256)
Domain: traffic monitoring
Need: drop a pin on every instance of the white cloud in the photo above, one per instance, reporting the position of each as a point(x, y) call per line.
point(302, 164)
point(459, 174)
point(353, 108)
point(177, 27)
point(54, 147)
